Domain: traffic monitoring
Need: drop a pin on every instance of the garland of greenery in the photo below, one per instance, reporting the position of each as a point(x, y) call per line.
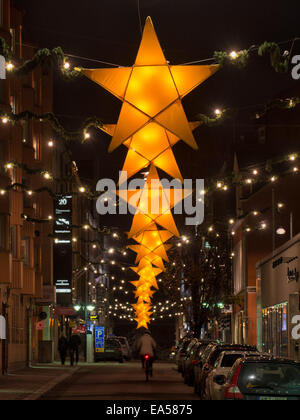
point(56, 57)
point(57, 127)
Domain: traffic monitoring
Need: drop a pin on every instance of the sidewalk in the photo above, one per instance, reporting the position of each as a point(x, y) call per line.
point(31, 383)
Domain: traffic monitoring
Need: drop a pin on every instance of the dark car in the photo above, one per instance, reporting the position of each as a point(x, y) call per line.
point(208, 359)
point(112, 352)
point(194, 357)
point(263, 378)
point(182, 353)
point(188, 355)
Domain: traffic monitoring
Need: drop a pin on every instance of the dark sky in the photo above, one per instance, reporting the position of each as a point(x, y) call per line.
point(109, 30)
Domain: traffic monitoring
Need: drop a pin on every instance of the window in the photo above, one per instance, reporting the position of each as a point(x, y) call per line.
point(2, 158)
point(13, 241)
point(25, 255)
point(12, 102)
point(26, 136)
point(36, 142)
point(2, 232)
point(2, 91)
point(36, 256)
point(13, 40)
point(36, 85)
point(1, 13)
point(275, 334)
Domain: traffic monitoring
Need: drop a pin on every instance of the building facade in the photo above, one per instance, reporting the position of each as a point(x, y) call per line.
point(278, 300)
point(26, 278)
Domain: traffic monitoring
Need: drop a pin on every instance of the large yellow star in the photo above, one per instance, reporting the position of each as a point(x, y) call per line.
point(151, 92)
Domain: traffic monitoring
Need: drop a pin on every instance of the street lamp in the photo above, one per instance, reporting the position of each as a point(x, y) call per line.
point(86, 309)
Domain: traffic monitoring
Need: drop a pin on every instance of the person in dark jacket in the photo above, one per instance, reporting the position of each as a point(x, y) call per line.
point(74, 344)
point(63, 348)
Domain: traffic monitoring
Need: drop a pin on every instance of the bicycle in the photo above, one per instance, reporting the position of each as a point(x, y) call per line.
point(148, 366)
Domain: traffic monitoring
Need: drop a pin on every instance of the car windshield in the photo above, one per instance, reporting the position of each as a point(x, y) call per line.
point(229, 360)
point(271, 377)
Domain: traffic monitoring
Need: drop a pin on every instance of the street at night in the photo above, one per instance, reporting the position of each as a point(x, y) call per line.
point(113, 381)
point(149, 203)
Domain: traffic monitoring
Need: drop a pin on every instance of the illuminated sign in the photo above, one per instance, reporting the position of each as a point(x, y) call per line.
point(99, 339)
point(63, 250)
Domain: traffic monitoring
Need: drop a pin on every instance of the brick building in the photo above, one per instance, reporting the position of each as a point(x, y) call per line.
point(26, 274)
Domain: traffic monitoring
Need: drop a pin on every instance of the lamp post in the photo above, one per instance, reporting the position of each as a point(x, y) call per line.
point(87, 309)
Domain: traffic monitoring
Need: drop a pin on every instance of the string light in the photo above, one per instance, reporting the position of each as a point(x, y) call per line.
point(10, 66)
point(233, 55)
point(46, 175)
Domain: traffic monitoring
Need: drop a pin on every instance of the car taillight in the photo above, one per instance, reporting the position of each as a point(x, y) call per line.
point(232, 391)
point(207, 367)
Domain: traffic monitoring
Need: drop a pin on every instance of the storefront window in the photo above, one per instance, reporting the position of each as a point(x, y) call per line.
point(275, 334)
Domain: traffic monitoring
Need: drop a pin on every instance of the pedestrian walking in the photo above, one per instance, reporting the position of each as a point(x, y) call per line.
point(74, 344)
point(63, 348)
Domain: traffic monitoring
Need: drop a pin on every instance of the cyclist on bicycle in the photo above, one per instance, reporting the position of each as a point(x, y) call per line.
point(147, 346)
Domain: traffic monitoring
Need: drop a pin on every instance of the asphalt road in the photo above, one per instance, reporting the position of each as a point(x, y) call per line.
point(114, 381)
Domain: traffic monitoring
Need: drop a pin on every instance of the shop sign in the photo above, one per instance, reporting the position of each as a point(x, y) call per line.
point(292, 275)
point(40, 325)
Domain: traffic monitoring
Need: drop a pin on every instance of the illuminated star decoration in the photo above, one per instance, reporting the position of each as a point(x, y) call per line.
point(152, 120)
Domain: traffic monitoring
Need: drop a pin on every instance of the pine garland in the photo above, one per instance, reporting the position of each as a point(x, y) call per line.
point(52, 119)
point(279, 61)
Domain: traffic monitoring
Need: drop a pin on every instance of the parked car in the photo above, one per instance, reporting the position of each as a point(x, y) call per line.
point(209, 358)
point(112, 352)
point(125, 347)
point(188, 354)
point(182, 353)
point(263, 378)
point(214, 386)
point(195, 356)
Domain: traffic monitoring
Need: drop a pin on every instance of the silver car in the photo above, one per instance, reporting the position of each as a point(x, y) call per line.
point(125, 348)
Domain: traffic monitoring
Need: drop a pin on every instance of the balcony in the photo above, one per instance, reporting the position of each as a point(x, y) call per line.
point(17, 274)
point(28, 281)
point(6, 267)
point(48, 297)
